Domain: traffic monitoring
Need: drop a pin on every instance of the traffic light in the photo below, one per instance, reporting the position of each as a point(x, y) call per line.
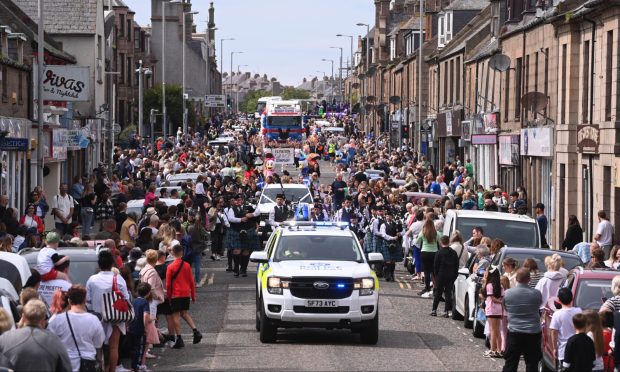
point(228, 101)
point(404, 131)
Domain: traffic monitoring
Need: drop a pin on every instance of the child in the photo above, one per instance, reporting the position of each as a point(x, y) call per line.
point(137, 330)
point(494, 311)
point(47, 257)
point(579, 354)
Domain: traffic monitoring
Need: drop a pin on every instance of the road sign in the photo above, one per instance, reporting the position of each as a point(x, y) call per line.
point(116, 129)
point(215, 100)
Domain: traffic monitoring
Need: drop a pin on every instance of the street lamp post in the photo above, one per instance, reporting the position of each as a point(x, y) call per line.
point(141, 72)
point(222, 55)
point(332, 82)
point(231, 71)
point(185, 14)
point(237, 96)
point(340, 74)
point(350, 73)
point(366, 83)
point(40, 69)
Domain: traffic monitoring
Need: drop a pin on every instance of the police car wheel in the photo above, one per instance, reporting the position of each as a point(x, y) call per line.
point(268, 331)
point(370, 334)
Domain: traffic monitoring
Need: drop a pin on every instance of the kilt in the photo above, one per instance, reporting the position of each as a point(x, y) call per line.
point(232, 240)
point(395, 255)
point(370, 243)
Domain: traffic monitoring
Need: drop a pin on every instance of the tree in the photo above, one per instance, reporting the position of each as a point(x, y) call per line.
point(292, 93)
point(174, 106)
point(251, 100)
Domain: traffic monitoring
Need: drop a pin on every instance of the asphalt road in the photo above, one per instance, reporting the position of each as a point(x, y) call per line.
point(409, 339)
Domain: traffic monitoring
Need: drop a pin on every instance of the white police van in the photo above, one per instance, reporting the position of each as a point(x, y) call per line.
point(315, 275)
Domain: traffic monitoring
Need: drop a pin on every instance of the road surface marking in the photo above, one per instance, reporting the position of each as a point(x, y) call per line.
point(203, 280)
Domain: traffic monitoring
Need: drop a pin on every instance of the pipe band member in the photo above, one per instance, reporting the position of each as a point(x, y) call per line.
point(242, 237)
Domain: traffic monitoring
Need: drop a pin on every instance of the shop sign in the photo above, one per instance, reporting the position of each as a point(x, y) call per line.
point(483, 139)
point(14, 144)
point(617, 172)
point(449, 124)
point(490, 122)
point(66, 83)
point(537, 142)
point(588, 138)
point(426, 127)
point(76, 139)
point(466, 130)
point(59, 144)
point(509, 150)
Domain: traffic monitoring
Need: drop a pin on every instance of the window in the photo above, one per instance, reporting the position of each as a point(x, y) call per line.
point(121, 77)
point(495, 22)
point(5, 89)
point(451, 77)
point(20, 88)
point(129, 28)
point(445, 28)
point(429, 28)
point(608, 74)
point(445, 83)
point(518, 87)
point(130, 72)
point(137, 75)
point(514, 10)
point(122, 25)
point(585, 80)
point(137, 39)
point(457, 79)
point(409, 44)
point(507, 95)
point(13, 49)
point(392, 48)
point(442, 32)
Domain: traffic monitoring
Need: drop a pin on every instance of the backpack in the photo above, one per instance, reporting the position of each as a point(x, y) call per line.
point(188, 252)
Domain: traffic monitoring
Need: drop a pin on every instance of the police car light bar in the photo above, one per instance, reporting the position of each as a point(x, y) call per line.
point(298, 224)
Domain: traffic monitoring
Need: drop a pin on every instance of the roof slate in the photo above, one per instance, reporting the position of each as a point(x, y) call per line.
point(467, 5)
point(64, 16)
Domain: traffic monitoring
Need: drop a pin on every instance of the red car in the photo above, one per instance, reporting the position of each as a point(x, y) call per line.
point(590, 289)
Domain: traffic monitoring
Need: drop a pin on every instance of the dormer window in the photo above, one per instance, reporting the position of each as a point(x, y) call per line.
point(392, 48)
point(445, 28)
point(16, 47)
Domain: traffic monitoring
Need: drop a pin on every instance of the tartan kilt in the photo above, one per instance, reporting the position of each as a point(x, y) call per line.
point(233, 241)
point(397, 255)
point(369, 243)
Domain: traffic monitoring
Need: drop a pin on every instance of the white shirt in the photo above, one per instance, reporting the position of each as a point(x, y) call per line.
point(562, 321)
point(98, 285)
point(606, 231)
point(44, 260)
point(88, 333)
point(47, 289)
point(63, 205)
point(30, 222)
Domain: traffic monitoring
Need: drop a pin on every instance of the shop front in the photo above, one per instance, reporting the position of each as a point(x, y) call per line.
point(14, 153)
point(449, 131)
point(485, 155)
point(509, 161)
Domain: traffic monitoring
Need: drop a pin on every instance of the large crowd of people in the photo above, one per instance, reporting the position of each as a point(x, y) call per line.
point(150, 259)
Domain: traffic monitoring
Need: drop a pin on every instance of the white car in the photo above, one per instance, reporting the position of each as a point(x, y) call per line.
point(177, 179)
point(315, 275)
point(293, 192)
point(136, 206)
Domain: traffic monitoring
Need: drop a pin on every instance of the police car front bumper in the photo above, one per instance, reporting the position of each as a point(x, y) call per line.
point(350, 312)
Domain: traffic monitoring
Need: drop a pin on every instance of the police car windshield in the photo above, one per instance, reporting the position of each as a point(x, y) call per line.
point(298, 194)
point(317, 248)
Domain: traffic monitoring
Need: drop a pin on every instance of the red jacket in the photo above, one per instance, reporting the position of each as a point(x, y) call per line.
point(37, 219)
point(183, 284)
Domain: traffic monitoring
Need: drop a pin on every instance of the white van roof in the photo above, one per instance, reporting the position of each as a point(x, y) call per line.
point(490, 215)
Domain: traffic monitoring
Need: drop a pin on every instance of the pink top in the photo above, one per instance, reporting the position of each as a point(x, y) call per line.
point(149, 198)
point(493, 308)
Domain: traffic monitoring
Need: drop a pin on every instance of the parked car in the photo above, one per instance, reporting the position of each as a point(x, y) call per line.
point(177, 179)
point(513, 229)
point(373, 174)
point(168, 188)
point(414, 197)
point(590, 289)
point(136, 206)
point(83, 261)
point(468, 283)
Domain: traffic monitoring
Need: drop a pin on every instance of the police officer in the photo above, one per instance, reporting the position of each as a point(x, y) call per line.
point(279, 213)
point(242, 237)
point(391, 249)
point(346, 212)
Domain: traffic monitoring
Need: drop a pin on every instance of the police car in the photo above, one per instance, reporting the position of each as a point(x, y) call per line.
point(315, 275)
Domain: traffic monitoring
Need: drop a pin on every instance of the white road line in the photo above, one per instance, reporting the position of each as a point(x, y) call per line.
point(211, 279)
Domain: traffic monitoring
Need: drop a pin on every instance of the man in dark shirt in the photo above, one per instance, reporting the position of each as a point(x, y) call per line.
point(542, 222)
point(338, 187)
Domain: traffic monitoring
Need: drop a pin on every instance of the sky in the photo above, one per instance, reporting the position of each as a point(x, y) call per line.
point(282, 38)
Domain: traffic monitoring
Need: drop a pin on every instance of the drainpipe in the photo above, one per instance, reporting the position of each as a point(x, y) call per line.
point(591, 118)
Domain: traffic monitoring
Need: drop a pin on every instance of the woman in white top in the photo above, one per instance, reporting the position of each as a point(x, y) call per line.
point(614, 258)
point(79, 331)
point(456, 243)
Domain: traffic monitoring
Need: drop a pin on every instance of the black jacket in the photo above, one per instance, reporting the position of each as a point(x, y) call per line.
point(574, 236)
point(446, 263)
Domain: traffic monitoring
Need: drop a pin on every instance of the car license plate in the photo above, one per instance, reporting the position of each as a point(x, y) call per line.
point(321, 303)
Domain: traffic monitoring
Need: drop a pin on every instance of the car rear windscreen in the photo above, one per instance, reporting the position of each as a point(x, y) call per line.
point(512, 233)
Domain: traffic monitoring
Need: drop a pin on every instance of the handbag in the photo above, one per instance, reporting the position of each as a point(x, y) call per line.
point(116, 309)
point(86, 365)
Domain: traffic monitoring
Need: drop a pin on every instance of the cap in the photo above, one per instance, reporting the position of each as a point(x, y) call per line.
point(281, 196)
point(52, 237)
point(498, 189)
point(151, 211)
